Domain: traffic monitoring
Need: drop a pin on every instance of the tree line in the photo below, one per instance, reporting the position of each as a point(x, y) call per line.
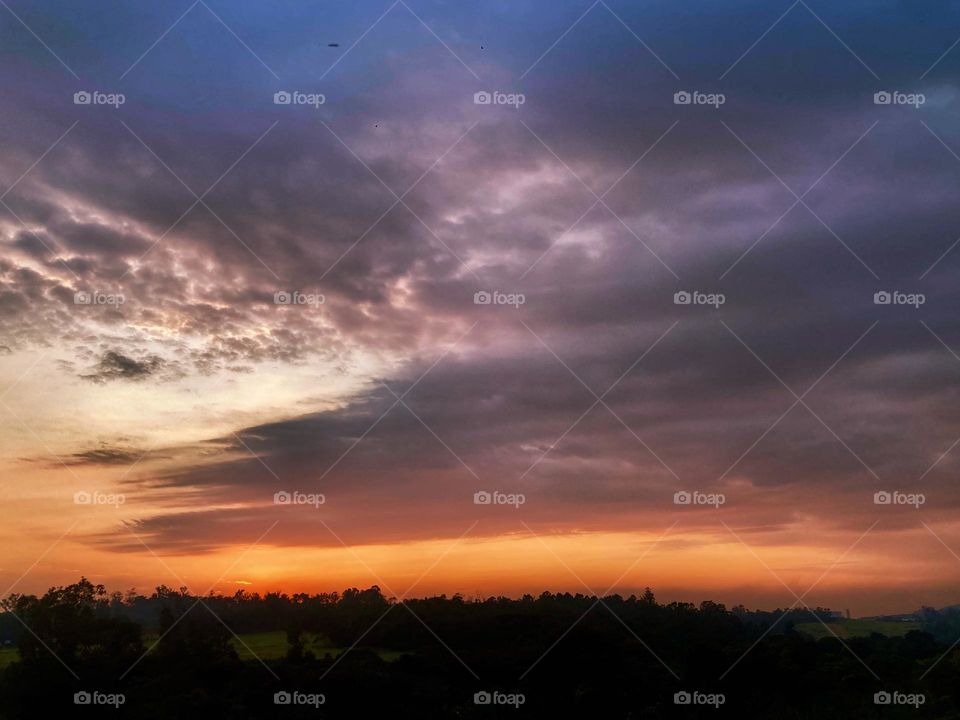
point(174, 654)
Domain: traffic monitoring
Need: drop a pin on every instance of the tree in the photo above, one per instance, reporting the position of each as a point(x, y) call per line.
point(74, 623)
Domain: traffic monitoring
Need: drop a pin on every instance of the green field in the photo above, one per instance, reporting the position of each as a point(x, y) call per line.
point(857, 628)
point(266, 646)
point(273, 645)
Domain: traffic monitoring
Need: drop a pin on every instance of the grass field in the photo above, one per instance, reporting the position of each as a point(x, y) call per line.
point(273, 645)
point(857, 628)
point(249, 646)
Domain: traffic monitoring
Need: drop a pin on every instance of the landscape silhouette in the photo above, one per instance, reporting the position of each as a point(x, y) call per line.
point(357, 652)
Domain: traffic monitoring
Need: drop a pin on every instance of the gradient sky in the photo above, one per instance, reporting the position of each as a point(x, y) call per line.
point(397, 200)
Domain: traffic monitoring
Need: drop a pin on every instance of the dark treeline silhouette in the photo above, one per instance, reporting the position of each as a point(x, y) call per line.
point(944, 624)
point(174, 655)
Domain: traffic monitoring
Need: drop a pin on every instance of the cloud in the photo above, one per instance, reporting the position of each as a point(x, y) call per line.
point(106, 454)
point(115, 366)
point(500, 199)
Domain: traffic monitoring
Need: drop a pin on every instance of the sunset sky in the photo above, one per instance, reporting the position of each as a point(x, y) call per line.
point(593, 199)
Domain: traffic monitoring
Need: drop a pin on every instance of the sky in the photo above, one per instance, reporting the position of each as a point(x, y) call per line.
point(209, 296)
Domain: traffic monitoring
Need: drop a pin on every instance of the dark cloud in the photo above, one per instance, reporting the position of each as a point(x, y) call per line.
point(115, 366)
point(699, 199)
point(107, 455)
